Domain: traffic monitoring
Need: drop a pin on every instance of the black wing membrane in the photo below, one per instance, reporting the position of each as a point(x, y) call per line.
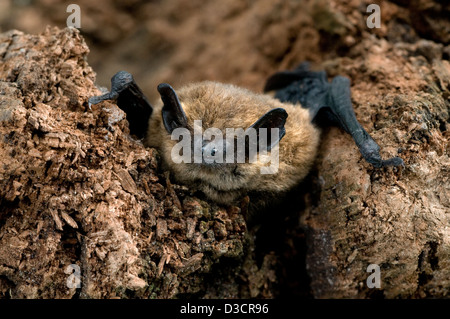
point(329, 104)
point(130, 98)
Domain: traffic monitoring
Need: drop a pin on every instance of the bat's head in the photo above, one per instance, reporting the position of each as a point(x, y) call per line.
point(220, 139)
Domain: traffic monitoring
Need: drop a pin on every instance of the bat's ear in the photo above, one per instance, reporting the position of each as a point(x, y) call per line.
point(275, 118)
point(172, 113)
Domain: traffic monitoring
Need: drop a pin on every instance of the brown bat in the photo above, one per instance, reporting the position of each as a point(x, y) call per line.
point(290, 119)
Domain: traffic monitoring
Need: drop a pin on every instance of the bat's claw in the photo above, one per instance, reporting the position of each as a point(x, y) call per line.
point(377, 162)
point(371, 153)
point(395, 161)
point(119, 82)
point(100, 98)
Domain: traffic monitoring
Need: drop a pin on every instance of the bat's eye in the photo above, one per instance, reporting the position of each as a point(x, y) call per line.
point(209, 151)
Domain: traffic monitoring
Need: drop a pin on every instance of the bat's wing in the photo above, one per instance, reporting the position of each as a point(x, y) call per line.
point(310, 89)
point(130, 98)
point(329, 104)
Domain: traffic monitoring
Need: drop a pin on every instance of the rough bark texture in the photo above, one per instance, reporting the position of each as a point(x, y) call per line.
point(76, 189)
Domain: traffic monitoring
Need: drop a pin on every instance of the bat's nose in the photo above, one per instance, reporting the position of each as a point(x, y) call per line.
point(207, 150)
point(209, 153)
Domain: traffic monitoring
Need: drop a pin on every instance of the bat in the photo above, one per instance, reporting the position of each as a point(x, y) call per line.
point(285, 120)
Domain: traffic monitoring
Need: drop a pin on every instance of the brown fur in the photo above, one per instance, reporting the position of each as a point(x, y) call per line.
point(227, 106)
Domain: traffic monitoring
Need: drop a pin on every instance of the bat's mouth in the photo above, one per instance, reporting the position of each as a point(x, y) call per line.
point(220, 196)
point(214, 169)
point(219, 181)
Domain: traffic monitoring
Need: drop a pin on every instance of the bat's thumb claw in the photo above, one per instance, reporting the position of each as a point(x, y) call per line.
point(97, 99)
point(395, 161)
point(374, 158)
point(371, 152)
